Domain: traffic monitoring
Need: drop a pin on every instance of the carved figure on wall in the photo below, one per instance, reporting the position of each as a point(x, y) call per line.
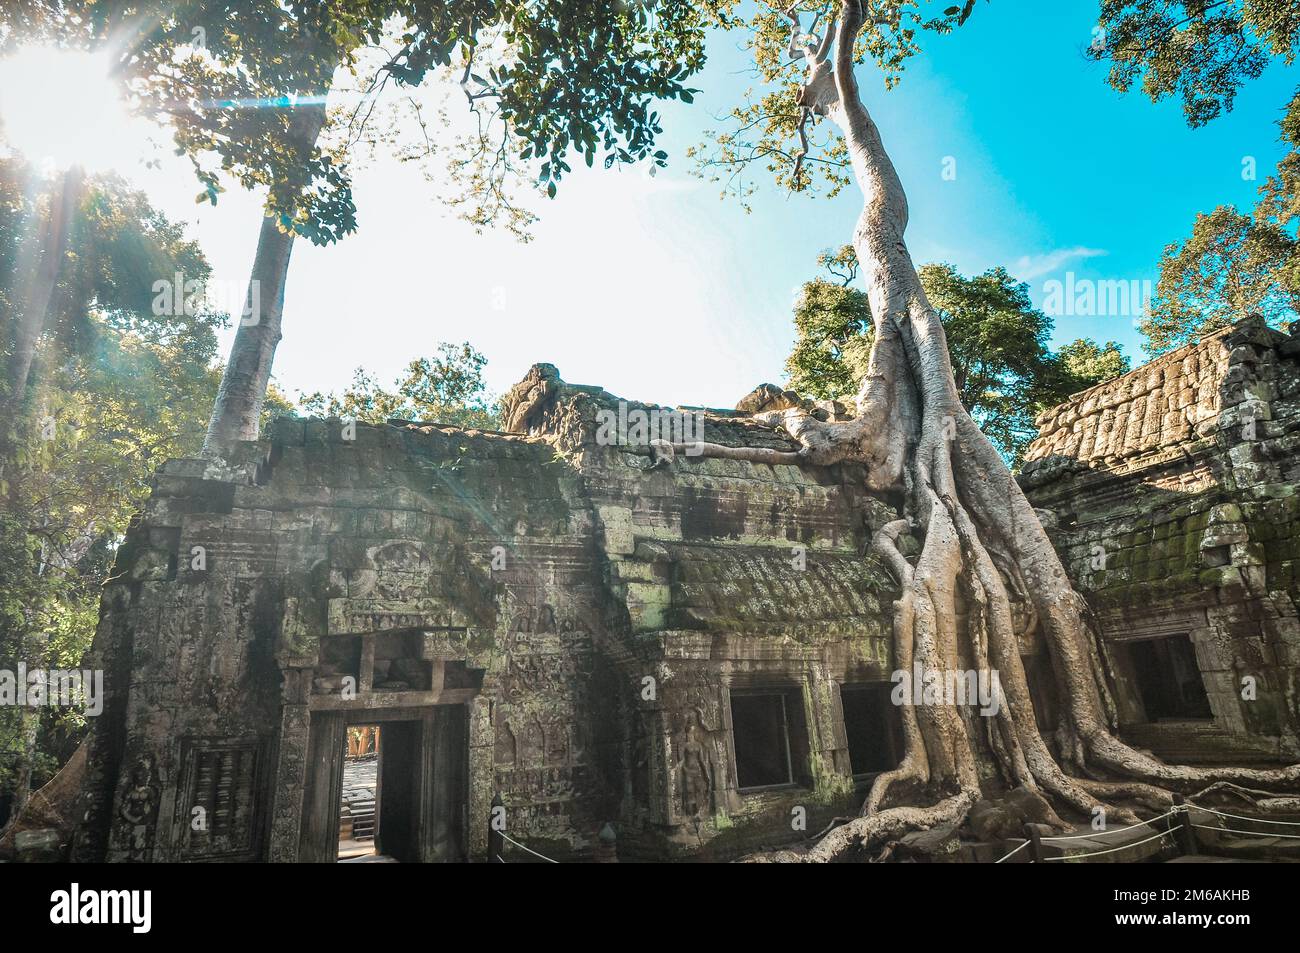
point(557, 734)
point(507, 752)
point(532, 748)
point(139, 806)
point(695, 769)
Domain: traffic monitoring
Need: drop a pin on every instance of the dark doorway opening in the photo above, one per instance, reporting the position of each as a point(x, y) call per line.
point(770, 743)
point(872, 728)
point(420, 775)
point(1168, 679)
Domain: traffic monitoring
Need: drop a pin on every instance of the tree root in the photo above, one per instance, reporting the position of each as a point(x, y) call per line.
point(865, 833)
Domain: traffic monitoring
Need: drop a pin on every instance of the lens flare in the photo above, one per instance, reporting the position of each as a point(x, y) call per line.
point(60, 107)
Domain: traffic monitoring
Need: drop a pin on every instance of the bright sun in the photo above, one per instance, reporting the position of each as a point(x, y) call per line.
point(60, 107)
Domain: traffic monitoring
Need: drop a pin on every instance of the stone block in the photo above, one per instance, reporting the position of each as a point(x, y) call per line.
point(41, 846)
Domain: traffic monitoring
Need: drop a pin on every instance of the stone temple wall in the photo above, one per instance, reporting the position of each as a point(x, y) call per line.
point(548, 618)
point(536, 617)
point(1172, 497)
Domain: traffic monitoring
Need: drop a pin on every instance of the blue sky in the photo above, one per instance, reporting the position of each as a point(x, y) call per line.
point(657, 290)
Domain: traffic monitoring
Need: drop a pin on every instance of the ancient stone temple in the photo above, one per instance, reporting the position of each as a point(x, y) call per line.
point(684, 653)
point(1172, 498)
point(558, 637)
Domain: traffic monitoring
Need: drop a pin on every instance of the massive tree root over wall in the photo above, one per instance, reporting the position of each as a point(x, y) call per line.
point(983, 548)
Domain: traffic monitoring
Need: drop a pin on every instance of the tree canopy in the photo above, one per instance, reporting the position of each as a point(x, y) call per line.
point(1235, 263)
point(115, 390)
point(447, 388)
point(1199, 51)
point(769, 133)
point(998, 342)
point(236, 84)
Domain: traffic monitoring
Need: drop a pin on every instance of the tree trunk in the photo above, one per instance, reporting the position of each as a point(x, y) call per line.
point(52, 806)
point(982, 545)
point(37, 274)
point(247, 374)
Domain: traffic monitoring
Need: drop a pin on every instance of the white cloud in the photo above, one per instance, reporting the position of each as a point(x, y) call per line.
point(1029, 267)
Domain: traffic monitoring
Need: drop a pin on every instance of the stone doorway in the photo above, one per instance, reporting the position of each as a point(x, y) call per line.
point(359, 810)
point(420, 778)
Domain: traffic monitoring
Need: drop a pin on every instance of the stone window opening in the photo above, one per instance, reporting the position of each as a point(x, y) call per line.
point(339, 666)
point(1168, 679)
point(872, 728)
point(769, 739)
point(396, 664)
point(1216, 556)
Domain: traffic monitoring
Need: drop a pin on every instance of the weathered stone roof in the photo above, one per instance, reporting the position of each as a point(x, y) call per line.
point(543, 404)
point(704, 545)
point(1173, 399)
point(1156, 404)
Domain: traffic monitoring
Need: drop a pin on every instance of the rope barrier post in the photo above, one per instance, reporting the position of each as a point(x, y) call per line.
point(496, 831)
point(1187, 832)
point(1035, 838)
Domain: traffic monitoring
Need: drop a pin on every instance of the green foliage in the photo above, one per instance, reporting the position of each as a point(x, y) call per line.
point(1086, 363)
point(766, 132)
point(243, 86)
point(447, 388)
point(833, 331)
point(578, 77)
point(1234, 264)
point(1200, 51)
point(114, 391)
point(997, 341)
point(1230, 267)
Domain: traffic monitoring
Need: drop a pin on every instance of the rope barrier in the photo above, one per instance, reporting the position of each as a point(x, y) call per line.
point(1177, 809)
point(506, 836)
point(1238, 817)
point(1020, 848)
point(1098, 853)
point(1118, 830)
point(1229, 830)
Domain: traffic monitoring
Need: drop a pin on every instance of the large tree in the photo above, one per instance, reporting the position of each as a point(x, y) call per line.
point(109, 389)
point(998, 342)
point(1234, 264)
point(245, 88)
point(981, 544)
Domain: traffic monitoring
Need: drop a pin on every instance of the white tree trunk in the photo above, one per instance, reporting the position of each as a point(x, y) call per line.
point(247, 374)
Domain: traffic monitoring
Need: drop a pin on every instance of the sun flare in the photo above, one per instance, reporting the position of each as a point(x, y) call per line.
point(60, 107)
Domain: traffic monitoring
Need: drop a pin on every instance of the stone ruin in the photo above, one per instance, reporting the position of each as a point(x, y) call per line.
point(555, 633)
point(1172, 498)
